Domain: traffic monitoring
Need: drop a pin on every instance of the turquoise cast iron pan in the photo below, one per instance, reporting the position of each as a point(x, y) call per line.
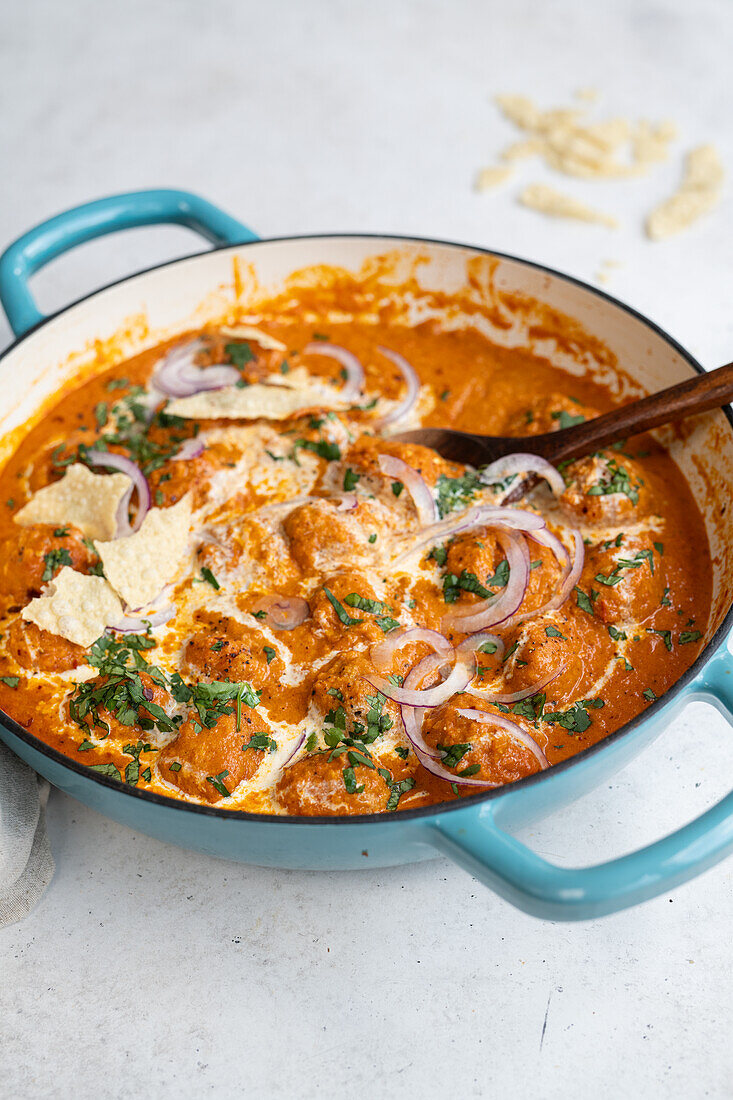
point(475, 832)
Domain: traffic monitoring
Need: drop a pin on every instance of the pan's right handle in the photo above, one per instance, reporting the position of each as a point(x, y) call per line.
point(59, 234)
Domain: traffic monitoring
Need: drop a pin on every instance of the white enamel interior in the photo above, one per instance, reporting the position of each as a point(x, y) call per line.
point(171, 299)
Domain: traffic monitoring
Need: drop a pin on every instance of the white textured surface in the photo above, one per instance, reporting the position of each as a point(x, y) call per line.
point(148, 971)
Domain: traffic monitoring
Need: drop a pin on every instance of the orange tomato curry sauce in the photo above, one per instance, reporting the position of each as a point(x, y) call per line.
point(247, 716)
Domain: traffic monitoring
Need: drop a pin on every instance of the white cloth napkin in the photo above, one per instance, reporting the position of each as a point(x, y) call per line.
point(26, 863)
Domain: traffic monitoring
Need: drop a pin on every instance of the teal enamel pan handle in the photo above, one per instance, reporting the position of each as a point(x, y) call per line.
point(59, 234)
point(541, 888)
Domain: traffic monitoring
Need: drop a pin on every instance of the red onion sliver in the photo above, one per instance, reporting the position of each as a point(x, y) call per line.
point(413, 389)
point(382, 653)
point(498, 608)
point(524, 464)
point(515, 696)
point(192, 448)
point(458, 681)
point(568, 584)
point(347, 503)
point(552, 542)
point(136, 476)
point(437, 769)
point(475, 641)
point(178, 376)
point(511, 728)
point(412, 717)
point(129, 625)
point(352, 388)
point(417, 487)
point(296, 750)
point(283, 612)
point(480, 516)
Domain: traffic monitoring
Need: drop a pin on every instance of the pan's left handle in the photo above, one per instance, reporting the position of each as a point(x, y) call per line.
point(95, 219)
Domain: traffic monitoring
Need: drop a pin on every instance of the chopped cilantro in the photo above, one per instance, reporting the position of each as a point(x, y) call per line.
point(350, 781)
point(311, 742)
point(659, 547)
point(616, 480)
point(340, 610)
point(397, 790)
point(487, 647)
point(54, 559)
point(467, 581)
point(62, 533)
point(616, 634)
point(397, 487)
point(11, 681)
point(372, 538)
point(500, 578)
point(453, 754)
point(269, 652)
point(321, 447)
point(688, 636)
point(100, 413)
point(208, 576)
point(109, 770)
point(649, 695)
point(261, 741)
point(439, 554)
point(456, 492)
point(258, 614)
point(218, 784)
point(351, 480)
point(583, 600)
point(665, 635)
point(566, 419)
point(216, 647)
point(402, 751)
point(553, 632)
point(240, 354)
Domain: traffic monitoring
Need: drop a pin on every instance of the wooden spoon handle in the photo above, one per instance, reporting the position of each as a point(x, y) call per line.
point(695, 395)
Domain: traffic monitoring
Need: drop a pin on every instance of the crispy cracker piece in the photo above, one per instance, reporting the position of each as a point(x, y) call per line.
point(547, 200)
point(698, 193)
point(140, 566)
point(75, 606)
point(249, 332)
point(85, 500)
point(280, 398)
point(488, 178)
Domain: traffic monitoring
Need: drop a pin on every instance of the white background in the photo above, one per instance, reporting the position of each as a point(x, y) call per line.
point(148, 971)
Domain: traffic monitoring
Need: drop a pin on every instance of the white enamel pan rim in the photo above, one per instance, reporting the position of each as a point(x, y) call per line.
point(715, 641)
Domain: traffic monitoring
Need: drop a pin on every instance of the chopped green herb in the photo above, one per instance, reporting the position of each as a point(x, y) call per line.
point(117, 384)
point(659, 547)
point(468, 582)
point(402, 751)
point(471, 770)
point(397, 790)
point(456, 492)
point(269, 652)
point(240, 354)
point(218, 784)
point(350, 781)
point(616, 634)
point(439, 554)
point(566, 419)
point(616, 480)
point(217, 647)
point(11, 681)
point(372, 538)
point(487, 647)
point(340, 610)
point(584, 601)
point(261, 741)
point(321, 447)
point(649, 695)
point(62, 533)
point(351, 480)
point(311, 742)
point(397, 487)
point(688, 636)
point(553, 632)
point(320, 336)
point(109, 770)
point(175, 766)
point(208, 576)
point(665, 635)
point(54, 559)
point(258, 614)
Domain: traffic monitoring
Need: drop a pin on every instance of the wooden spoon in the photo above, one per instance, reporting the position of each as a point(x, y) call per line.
point(696, 395)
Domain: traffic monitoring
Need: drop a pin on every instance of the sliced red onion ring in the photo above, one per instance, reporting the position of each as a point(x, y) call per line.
point(498, 608)
point(129, 625)
point(568, 584)
point(483, 515)
point(283, 612)
point(516, 696)
point(382, 653)
point(296, 750)
point(524, 464)
point(178, 376)
point(412, 717)
point(475, 641)
point(511, 728)
point(347, 503)
point(413, 389)
point(417, 487)
point(352, 388)
point(459, 679)
point(552, 542)
point(136, 476)
point(192, 448)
